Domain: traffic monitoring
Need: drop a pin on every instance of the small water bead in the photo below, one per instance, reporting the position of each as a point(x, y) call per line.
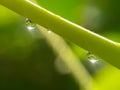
point(94, 64)
point(92, 58)
point(29, 24)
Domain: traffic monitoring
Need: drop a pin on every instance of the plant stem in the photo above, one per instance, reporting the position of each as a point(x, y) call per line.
point(96, 44)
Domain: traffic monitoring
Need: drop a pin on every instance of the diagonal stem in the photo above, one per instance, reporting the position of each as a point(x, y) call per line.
point(98, 45)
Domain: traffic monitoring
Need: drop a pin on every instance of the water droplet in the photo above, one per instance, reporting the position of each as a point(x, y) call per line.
point(92, 58)
point(30, 25)
point(61, 67)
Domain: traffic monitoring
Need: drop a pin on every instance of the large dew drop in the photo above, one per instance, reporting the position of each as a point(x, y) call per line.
point(29, 24)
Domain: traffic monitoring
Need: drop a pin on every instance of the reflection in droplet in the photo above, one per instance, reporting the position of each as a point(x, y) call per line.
point(61, 67)
point(29, 24)
point(93, 61)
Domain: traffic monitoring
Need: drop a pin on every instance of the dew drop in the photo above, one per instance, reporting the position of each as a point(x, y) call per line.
point(29, 24)
point(92, 58)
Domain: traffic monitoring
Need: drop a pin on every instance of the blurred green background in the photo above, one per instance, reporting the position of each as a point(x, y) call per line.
point(28, 60)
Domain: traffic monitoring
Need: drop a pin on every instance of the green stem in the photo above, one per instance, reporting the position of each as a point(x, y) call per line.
point(98, 45)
